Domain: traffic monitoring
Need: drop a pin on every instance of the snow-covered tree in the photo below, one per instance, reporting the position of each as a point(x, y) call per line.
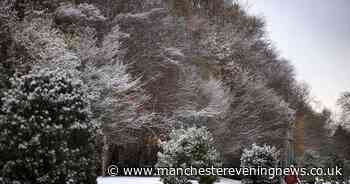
point(111, 87)
point(9, 55)
point(149, 64)
point(256, 114)
point(259, 156)
point(201, 101)
point(344, 102)
point(45, 45)
point(247, 106)
point(46, 132)
point(185, 148)
point(118, 98)
point(70, 17)
point(26, 8)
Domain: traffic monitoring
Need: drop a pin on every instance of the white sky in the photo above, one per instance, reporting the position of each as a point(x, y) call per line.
point(315, 36)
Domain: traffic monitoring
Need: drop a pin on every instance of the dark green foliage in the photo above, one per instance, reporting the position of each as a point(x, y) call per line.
point(47, 136)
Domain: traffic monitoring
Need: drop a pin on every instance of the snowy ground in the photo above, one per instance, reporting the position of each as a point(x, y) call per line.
point(148, 180)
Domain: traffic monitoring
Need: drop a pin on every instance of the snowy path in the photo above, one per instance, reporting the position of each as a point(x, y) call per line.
point(148, 180)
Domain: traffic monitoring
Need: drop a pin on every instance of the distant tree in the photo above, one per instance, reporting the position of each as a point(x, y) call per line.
point(26, 8)
point(344, 102)
point(255, 112)
point(258, 80)
point(316, 130)
point(340, 142)
point(71, 17)
point(46, 46)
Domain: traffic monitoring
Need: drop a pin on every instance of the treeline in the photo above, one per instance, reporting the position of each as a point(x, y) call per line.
point(152, 66)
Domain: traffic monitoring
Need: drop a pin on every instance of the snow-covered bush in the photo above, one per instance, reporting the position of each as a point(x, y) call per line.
point(46, 133)
point(186, 148)
point(259, 156)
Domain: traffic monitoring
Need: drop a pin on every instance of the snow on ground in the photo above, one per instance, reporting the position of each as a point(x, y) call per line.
point(148, 180)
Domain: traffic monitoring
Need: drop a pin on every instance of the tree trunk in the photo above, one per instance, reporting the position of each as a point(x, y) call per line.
point(105, 155)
